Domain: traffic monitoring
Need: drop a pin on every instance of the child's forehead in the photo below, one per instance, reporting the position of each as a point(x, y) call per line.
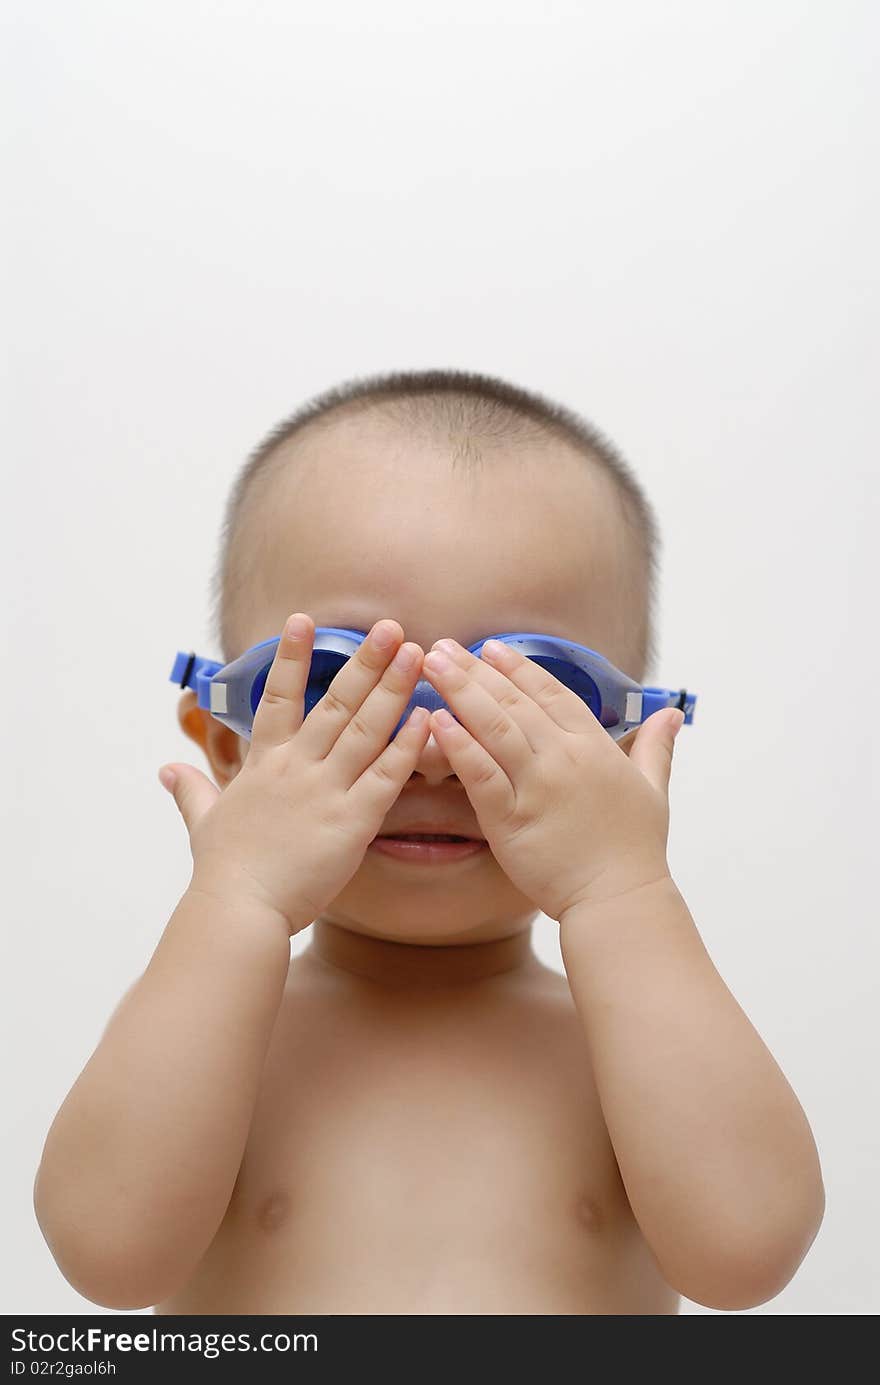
point(443, 553)
point(405, 502)
point(377, 534)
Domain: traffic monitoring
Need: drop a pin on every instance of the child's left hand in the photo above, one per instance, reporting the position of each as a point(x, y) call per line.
point(568, 815)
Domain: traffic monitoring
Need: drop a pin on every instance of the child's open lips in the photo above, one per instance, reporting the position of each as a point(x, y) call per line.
point(436, 852)
point(429, 842)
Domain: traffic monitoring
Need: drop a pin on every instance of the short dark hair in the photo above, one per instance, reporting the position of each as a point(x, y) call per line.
point(462, 407)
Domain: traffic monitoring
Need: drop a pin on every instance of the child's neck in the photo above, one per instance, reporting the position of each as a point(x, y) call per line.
point(417, 964)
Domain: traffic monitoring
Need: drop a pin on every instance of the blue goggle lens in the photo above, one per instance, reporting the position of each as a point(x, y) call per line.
point(326, 663)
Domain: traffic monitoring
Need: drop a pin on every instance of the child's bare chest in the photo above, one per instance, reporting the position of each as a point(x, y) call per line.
point(433, 1157)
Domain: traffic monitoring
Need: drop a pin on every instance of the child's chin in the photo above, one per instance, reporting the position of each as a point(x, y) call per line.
point(429, 932)
point(449, 928)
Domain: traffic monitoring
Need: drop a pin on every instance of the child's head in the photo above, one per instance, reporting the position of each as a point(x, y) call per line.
point(457, 505)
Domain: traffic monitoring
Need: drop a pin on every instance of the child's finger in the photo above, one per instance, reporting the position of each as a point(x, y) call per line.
point(345, 716)
point(378, 788)
point(485, 782)
point(281, 707)
point(191, 790)
point(653, 747)
point(371, 724)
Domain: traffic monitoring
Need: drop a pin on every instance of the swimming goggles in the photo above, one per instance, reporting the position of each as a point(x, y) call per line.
point(231, 692)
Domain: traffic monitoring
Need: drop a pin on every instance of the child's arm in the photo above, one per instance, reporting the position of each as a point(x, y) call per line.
point(715, 1153)
point(141, 1159)
point(718, 1160)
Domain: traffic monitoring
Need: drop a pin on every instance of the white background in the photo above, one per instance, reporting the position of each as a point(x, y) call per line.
point(662, 215)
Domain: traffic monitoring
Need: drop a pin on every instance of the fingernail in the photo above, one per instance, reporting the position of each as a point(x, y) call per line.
point(167, 778)
point(436, 661)
point(404, 658)
point(296, 627)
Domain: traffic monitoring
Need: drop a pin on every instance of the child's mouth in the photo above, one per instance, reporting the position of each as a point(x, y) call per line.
point(427, 848)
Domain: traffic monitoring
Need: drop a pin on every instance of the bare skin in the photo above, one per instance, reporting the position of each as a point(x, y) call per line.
point(423, 1148)
point(405, 1118)
point(427, 1136)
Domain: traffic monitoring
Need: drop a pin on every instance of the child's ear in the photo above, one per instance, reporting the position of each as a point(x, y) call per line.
point(192, 718)
point(221, 744)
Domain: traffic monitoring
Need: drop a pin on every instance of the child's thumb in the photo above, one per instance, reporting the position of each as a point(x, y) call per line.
point(652, 749)
point(191, 790)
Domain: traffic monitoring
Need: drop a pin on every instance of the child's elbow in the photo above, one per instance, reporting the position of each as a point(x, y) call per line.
point(102, 1263)
point(755, 1266)
point(112, 1281)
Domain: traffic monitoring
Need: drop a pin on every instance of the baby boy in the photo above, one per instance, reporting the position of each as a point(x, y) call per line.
point(413, 1115)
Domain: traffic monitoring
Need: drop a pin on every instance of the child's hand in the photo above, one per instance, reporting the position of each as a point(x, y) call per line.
point(569, 817)
point(292, 827)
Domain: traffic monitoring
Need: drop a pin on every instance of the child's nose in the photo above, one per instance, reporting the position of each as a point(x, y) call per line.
point(432, 764)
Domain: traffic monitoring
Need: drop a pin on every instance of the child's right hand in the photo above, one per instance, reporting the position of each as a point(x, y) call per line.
point(290, 830)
